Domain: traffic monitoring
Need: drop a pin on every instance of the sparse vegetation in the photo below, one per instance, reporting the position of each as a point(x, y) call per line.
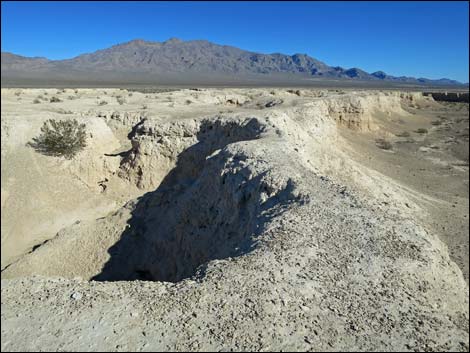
point(156, 90)
point(63, 111)
point(421, 131)
point(383, 144)
point(60, 138)
point(120, 100)
point(36, 101)
point(436, 122)
point(17, 93)
point(55, 100)
point(296, 92)
point(145, 107)
point(102, 103)
point(403, 134)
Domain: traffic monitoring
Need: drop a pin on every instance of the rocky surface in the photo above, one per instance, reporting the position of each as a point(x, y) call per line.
point(247, 226)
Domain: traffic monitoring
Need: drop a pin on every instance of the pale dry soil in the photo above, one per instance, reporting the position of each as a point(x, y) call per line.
point(236, 219)
point(432, 167)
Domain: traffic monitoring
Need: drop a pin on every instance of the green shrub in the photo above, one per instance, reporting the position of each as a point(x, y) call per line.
point(60, 138)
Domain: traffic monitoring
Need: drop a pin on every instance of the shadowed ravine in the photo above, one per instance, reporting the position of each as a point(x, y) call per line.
point(197, 214)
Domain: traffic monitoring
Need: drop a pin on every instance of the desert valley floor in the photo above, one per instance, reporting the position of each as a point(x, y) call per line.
point(236, 219)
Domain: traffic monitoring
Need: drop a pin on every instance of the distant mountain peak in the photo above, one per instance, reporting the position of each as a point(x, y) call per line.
point(173, 40)
point(379, 74)
point(181, 59)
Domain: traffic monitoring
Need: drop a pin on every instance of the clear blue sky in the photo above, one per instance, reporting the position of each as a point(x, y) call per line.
point(422, 39)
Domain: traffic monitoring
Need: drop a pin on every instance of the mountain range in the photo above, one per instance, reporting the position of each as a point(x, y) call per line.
point(179, 61)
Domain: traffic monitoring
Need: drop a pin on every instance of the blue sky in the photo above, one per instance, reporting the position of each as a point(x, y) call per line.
point(422, 39)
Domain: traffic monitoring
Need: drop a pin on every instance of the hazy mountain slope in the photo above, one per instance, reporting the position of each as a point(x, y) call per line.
point(17, 62)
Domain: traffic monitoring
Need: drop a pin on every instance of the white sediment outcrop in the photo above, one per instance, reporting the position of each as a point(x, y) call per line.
point(246, 227)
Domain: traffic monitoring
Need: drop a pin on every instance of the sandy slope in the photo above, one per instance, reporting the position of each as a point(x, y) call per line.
point(263, 218)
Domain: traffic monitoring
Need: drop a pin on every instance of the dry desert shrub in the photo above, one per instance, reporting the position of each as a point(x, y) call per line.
point(36, 101)
point(102, 103)
point(120, 100)
point(63, 111)
point(55, 100)
point(296, 92)
point(403, 134)
point(383, 144)
point(60, 138)
point(421, 131)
